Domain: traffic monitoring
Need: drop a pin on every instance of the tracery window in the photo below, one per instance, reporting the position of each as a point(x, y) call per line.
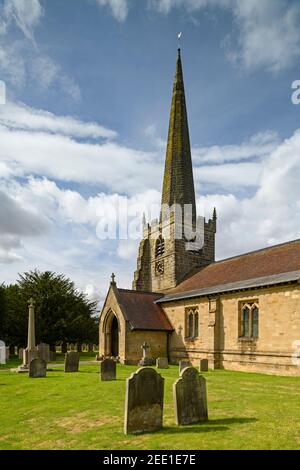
point(192, 323)
point(249, 320)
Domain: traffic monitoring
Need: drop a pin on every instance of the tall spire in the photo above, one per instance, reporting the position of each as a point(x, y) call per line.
point(178, 184)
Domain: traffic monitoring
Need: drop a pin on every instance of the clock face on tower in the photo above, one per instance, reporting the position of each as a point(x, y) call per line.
point(159, 268)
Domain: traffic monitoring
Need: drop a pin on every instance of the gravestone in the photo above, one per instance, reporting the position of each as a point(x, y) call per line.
point(7, 355)
point(2, 352)
point(37, 368)
point(21, 353)
point(44, 352)
point(90, 348)
point(146, 360)
point(190, 400)
point(52, 355)
point(72, 361)
point(108, 370)
point(162, 363)
point(144, 401)
point(203, 365)
point(183, 364)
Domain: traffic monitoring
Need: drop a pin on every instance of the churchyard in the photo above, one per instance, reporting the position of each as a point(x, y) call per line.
point(79, 411)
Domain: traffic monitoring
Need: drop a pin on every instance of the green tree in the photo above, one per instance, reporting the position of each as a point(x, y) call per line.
point(62, 313)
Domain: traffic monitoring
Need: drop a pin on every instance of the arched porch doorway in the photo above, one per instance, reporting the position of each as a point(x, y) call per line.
point(114, 337)
point(111, 329)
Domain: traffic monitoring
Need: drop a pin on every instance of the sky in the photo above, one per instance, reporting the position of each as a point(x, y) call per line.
point(88, 91)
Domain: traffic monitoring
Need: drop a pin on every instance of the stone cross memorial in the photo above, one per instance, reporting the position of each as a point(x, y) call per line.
point(144, 402)
point(2, 352)
point(147, 360)
point(183, 364)
point(189, 394)
point(108, 370)
point(72, 361)
point(30, 352)
point(162, 363)
point(37, 368)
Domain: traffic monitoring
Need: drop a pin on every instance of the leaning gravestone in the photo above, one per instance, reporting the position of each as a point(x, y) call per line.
point(144, 401)
point(37, 368)
point(190, 400)
point(184, 364)
point(72, 361)
point(108, 370)
point(2, 352)
point(203, 365)
point(162, 363)
point(44, 352)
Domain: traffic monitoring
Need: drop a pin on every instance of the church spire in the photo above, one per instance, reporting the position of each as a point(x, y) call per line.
point(178, 184)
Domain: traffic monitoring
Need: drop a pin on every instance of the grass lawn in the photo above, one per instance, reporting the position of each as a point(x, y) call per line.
point(77, 411)
point(14, 361)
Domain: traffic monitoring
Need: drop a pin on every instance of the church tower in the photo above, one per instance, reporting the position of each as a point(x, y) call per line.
point(166, 254)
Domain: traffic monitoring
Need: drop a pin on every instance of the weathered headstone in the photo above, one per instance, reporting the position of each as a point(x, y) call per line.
point(162, 363)
point(190, 399)
point(44, 352)
point(183, 364)
point(37, 368)
point(203, 365)
point(144, 401)
point(20, 353)
point(108, 370)
point(7, 356)
point(146, 360)
point(2, 352)
point(52, 355)
point(72, 361)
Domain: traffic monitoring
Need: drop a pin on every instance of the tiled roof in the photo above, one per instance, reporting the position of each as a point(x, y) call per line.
point(279, 259)
point(140, 309)
point(258, 282)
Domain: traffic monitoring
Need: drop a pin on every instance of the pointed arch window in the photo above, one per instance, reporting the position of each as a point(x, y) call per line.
point(192, 323)
point(249, 320)
point(159, 247)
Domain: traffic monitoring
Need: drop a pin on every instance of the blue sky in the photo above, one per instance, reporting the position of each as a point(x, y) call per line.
point(88, 95)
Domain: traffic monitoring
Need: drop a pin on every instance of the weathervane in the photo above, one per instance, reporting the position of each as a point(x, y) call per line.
point(179, 39)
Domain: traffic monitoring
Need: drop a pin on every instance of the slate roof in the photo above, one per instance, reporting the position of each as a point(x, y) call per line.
point(269, 266)
point(141, 311)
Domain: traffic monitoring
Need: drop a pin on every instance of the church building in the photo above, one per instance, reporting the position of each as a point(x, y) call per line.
point(241, 313)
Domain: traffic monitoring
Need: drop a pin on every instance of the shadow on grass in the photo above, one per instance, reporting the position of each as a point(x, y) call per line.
point(209, 426)
point(231, 421)
point(193, 429)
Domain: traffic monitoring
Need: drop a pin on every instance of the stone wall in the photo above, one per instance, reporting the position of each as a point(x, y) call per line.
point(219, 342)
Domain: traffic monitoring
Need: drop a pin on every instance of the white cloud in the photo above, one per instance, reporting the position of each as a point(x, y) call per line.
point(119, 8)
point(25, 13)
point(21, 59)
point(268, 30)
point(258, 147)
point(22, 117)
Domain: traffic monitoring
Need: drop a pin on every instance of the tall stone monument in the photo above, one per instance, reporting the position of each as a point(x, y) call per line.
point(31, 351)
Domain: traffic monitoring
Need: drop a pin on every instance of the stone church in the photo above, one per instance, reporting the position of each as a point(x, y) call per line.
point(241, 313)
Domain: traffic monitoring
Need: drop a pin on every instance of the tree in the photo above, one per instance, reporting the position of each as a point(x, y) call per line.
point(62, 313)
